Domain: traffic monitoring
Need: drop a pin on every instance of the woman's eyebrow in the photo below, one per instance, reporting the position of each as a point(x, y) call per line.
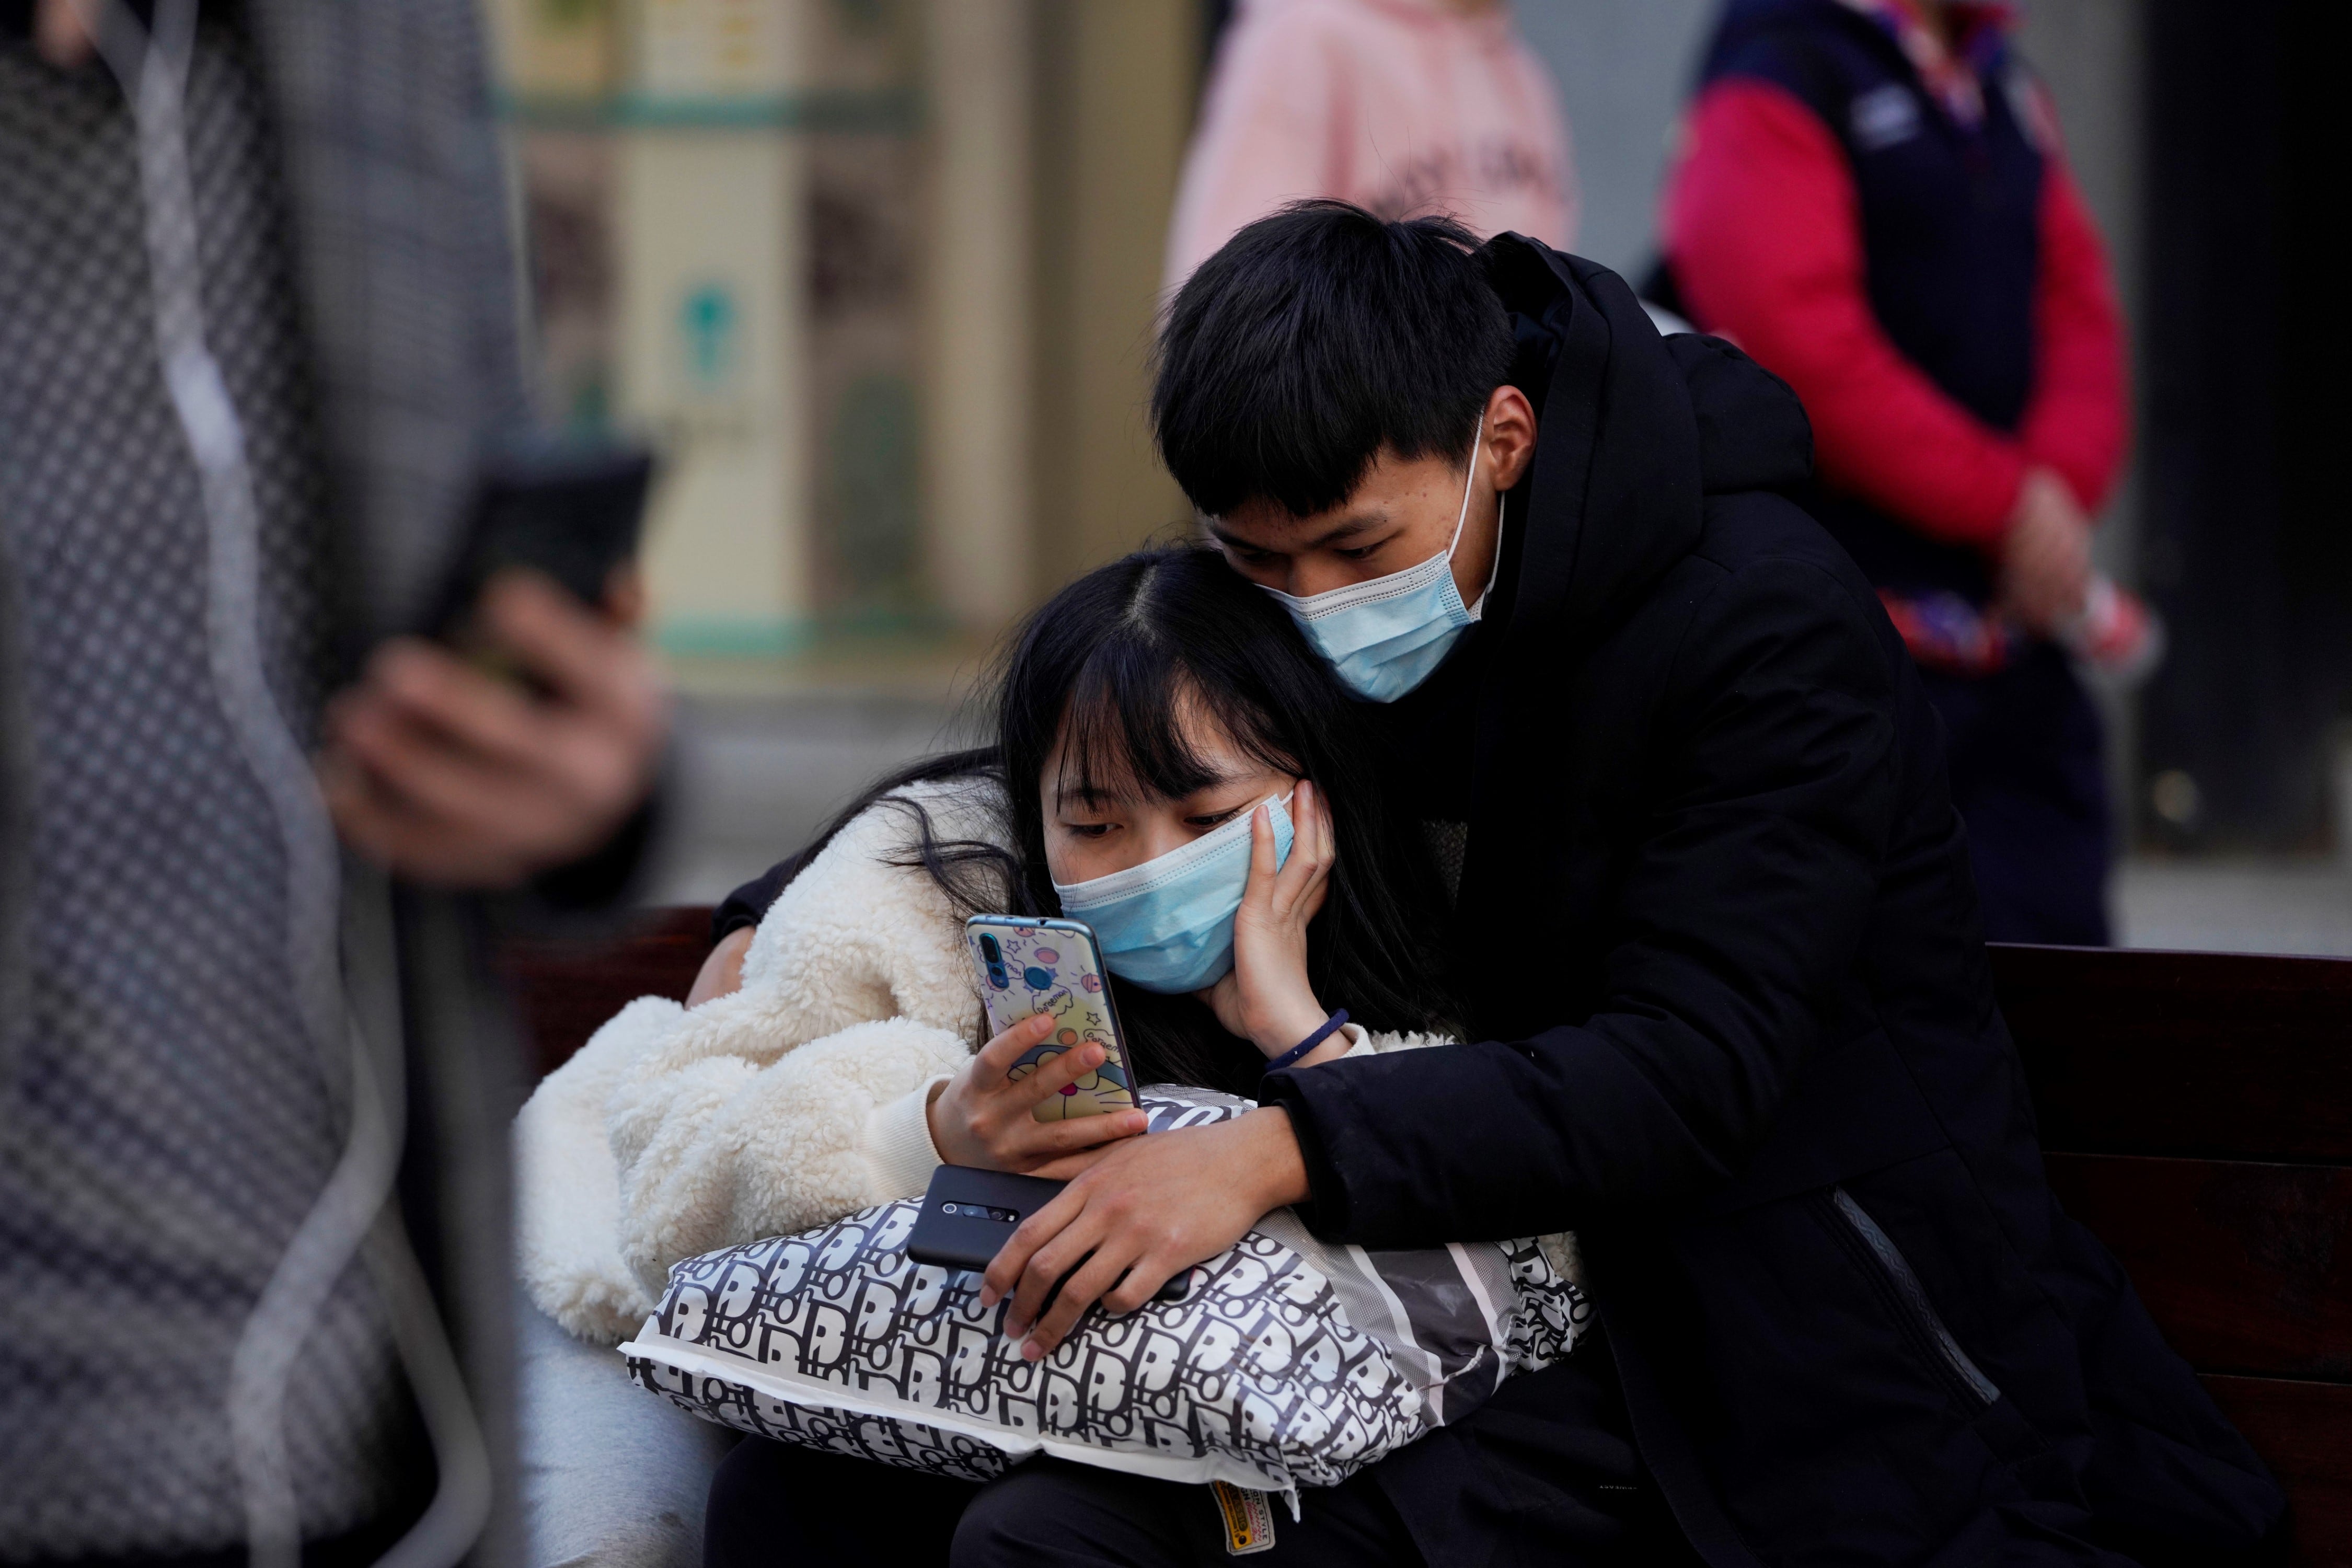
point(1095, 794)
point(1088, 793)
point(1225, 775)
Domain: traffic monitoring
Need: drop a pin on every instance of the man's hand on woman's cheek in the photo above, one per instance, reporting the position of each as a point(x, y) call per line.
point(1148, 1207)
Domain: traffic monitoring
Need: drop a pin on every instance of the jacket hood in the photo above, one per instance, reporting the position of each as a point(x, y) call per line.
point(1749, 14)
point(1752, 430)
point(1635, 431)
point(1744, 19)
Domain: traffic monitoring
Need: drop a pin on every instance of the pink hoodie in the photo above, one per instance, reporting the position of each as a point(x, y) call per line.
point(1400, 106)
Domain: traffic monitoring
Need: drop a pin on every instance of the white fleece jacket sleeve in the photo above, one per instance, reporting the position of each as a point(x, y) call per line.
point(716, 1146)
point(801, 1097)
point(899, 1141)
point(568, 1213)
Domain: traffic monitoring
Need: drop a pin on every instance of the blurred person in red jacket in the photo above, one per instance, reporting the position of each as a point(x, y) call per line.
point(1405, 108)
point(1871, 199)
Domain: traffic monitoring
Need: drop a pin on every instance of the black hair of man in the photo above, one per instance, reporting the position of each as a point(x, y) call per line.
point(1315, 339)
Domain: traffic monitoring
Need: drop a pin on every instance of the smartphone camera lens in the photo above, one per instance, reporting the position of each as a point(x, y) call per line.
point(993, 954)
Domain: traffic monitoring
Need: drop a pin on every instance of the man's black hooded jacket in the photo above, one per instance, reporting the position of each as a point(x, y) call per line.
point(1717, 932)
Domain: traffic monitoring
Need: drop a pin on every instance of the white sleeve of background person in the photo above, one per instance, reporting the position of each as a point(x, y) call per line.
point(796, 1100)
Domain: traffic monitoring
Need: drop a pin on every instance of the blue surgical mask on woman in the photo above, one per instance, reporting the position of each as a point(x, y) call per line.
point(1385, 635)
point(1168, 924)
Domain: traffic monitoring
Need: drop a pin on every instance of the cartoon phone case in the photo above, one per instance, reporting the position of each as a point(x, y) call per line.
point(1027, 967)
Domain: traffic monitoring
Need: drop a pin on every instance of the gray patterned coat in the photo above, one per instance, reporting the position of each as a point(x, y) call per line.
point(164, 1124)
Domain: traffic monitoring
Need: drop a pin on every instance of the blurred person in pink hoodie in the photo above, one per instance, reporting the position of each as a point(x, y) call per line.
point(1402, 107)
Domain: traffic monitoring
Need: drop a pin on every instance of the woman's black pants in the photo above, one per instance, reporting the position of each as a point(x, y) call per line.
point(1544, 1472)
point(777, 1507)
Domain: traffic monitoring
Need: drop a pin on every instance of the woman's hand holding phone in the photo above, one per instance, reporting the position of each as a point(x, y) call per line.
point(985, 1117)
point(1266, 998)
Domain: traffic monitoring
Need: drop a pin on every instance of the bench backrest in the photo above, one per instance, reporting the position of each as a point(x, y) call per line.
point(2197, 1113)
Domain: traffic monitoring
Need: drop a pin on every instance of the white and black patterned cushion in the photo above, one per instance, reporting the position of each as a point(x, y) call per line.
point(1287, 1363)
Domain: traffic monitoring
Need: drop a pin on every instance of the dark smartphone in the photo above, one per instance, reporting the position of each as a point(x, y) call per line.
point(573, 511)
point(968, 1215)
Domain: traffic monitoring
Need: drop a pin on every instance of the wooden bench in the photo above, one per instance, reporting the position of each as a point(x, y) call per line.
point(2196, 1108)
point(2197, 1115)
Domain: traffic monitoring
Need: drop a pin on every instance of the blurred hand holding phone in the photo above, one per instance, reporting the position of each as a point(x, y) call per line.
point(571, 513)
point(527, 724)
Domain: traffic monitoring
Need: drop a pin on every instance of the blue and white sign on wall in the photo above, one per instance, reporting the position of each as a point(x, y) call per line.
point(710, 329)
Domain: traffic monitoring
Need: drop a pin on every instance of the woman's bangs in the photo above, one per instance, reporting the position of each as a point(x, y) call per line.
point(1123, 734)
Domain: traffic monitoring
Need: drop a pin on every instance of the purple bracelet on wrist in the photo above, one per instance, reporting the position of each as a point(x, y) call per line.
point(1330, 1027)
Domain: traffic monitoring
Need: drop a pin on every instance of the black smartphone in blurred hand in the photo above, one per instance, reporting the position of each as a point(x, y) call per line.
point(573, 511)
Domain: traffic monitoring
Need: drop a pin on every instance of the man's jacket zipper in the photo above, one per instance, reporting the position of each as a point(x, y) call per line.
point(1912, 1308)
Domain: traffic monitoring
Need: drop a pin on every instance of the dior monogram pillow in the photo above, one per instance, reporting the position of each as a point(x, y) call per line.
point(1287, 1362)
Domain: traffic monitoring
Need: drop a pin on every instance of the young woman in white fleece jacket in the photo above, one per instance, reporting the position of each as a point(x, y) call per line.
point(1160, 709)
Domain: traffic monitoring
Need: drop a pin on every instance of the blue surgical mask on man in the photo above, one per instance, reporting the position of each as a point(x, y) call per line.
point(1168, 924)
point(1386, 635)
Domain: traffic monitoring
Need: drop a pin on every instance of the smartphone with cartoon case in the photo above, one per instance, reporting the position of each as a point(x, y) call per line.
point(1030, 966)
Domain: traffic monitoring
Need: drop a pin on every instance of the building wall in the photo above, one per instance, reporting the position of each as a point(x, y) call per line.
point(980, 80)
point(2091, 53)
point(1117, 89)
point(1624, 67)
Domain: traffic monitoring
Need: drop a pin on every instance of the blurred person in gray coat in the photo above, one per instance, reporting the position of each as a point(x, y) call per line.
point(258, 335)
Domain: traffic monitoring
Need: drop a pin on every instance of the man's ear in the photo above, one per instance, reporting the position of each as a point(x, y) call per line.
point(1510, 434)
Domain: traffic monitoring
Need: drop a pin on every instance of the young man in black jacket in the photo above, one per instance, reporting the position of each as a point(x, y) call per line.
point(1731, 1018)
